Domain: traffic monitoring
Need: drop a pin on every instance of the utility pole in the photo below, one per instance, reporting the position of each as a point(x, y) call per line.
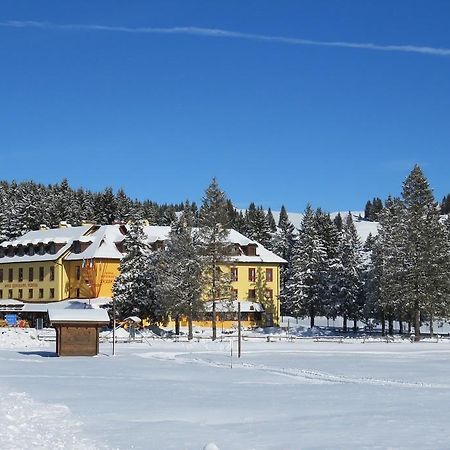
point(239, 329)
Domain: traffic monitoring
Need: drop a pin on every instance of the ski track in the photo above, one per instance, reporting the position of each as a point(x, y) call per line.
point(310, 376)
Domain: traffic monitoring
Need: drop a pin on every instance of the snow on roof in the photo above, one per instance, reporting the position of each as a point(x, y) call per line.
point(74, 303)
point(105, 237)
point(161, 233)
point(103, 245)
point(57, 235)
point(157, 233)
point(78, 315)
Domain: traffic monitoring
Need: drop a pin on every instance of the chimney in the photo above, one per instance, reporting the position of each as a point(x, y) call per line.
point(64, 224)
point(43, 227)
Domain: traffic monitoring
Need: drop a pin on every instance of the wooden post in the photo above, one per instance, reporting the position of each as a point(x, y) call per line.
point(239, 329)
point(114, 325)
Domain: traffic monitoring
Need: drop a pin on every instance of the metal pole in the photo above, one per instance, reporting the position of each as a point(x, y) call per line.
point(239, 329)
point(114, 326)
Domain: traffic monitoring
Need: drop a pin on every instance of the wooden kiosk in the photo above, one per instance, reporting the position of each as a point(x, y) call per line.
point(77, 330)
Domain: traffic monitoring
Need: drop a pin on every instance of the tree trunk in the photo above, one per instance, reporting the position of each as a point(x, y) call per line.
point(312, 316)
point(409, 326)
point(190, 332)
point(400, 326)
point(391, 325)
point(355, 325)
point(416, 323)
point(214, 324)
point(431, 325)
point(177, 326)
point(344, 324)
point(383, 324)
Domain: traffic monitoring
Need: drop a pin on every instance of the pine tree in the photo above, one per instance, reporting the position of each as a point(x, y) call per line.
point(271, 221)
point(427, 266)
point(305, 289)
point(348, 281)
point(180, 271)
point(124, 207)
point(282, 244)
point(134, 289)
point(213, 237)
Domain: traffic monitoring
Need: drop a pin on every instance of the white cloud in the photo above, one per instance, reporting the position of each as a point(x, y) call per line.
point(218, 33)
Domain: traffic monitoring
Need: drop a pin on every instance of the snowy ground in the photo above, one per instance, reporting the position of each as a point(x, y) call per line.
point(178, 395)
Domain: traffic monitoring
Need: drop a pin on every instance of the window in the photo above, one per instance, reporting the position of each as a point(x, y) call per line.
point(251, 294)
point(10, 276)
point(20, 293)
point(234, 274)
point(41, 293)
point(78, 272)
point(20, 277)
point(30, 274)
point(269, 294)
point(1, 275)
point(52, 293)
point(52, 273)
point(10, 293)
point(41, 274)
point(252, 274)
point(30, 293)
point(1, 293)
point(269, 275)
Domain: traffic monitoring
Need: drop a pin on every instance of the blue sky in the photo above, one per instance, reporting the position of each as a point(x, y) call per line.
point(144, 95)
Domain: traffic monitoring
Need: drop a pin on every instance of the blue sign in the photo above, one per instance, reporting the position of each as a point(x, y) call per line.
point(11, 319)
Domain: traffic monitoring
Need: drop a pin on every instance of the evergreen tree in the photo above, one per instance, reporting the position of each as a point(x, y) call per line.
point(271, 221)
point(180, 271)
point(338, 222)
point(213, 237)
point(348, 282)
point(426, 273)
point(124, 207)
point(134, 289)
point(282, 243)
point(305, 289)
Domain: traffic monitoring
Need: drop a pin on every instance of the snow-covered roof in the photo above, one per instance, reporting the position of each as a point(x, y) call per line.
point(78, 315)
point(65, 235)
point(103, 244)
point(73, 303)
point(161, 233)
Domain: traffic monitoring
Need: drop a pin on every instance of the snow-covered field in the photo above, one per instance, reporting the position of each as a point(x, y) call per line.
point(178, 395)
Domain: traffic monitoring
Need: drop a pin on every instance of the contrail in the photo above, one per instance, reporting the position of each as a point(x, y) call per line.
point(219, 33)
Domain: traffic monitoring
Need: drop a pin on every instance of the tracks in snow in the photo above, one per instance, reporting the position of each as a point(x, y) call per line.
point(301, 375)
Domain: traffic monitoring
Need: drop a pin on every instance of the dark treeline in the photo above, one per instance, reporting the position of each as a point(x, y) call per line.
point(27, 205)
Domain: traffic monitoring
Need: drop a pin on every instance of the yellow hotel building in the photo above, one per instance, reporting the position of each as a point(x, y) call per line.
point(51, 265)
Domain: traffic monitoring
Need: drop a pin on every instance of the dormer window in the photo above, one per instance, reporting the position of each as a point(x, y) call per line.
point(76, 247)
point(249, 249)
point(51, 248)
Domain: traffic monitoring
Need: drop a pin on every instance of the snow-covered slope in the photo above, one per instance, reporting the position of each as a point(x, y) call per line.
point(363, 227)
